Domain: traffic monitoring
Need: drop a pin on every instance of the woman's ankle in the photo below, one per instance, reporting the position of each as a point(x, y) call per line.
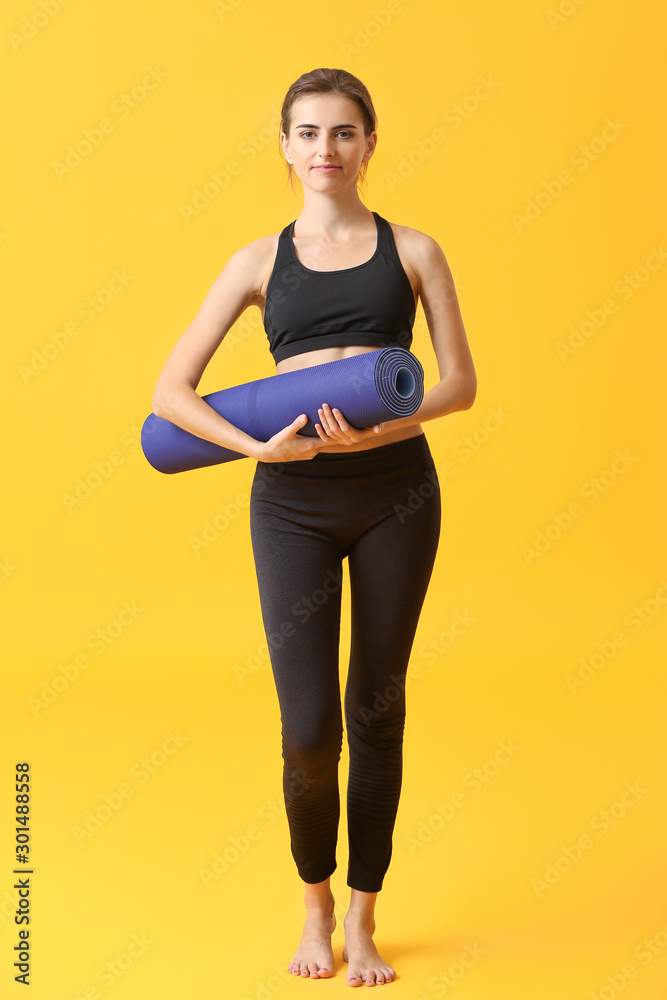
point(318, 895)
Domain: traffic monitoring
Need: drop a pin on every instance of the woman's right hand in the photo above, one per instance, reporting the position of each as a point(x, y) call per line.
point(288, 446)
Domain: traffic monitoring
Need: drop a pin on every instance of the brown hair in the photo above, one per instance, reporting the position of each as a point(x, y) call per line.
point(329, 81)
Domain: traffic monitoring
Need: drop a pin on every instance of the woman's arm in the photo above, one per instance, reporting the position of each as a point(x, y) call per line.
point(457, 387)
point(175, 397)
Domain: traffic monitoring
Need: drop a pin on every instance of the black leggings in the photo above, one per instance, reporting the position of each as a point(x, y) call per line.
point(381, 509)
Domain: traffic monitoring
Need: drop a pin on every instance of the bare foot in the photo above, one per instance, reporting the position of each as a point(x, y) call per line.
point(364, 962)
point(314, 956)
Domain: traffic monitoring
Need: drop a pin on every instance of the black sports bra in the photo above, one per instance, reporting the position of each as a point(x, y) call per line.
point(371, 304)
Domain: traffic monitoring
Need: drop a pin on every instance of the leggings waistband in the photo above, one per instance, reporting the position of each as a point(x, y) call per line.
point(382, 458)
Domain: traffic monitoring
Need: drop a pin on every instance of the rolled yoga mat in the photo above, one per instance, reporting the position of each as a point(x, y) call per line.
point(367, 388)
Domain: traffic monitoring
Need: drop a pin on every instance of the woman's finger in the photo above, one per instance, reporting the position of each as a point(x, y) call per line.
point(338, 425)
point(342, 422)
point(328, 417)
point(322, 434)
point(329, 424)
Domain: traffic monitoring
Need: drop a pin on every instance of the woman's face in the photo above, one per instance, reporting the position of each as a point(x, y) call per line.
point(327, 130)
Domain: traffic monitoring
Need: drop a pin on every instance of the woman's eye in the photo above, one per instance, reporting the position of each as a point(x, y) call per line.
point(304, 135)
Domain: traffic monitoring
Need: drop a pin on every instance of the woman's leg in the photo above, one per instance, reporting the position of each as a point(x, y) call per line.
point(390, 569)
point(299, 574)
point(299, 578)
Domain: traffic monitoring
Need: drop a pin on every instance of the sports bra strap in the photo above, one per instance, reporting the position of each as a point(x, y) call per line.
point(387, 243)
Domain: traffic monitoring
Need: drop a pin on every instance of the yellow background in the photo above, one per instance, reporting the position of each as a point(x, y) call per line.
point(176, 667)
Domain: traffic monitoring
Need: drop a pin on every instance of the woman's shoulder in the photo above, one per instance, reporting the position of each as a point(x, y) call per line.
point(255, 260)
point(258, 249)
point(414, 245)
point(257, 252)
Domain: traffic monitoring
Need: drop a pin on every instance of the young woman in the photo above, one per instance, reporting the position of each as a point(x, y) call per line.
point(337, 281)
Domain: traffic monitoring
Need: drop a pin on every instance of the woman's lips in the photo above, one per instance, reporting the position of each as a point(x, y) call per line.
point(326, 170)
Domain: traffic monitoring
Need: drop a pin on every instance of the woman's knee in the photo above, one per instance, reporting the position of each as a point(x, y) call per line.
point(375, 704)
point(311, 748)
point(379, 723)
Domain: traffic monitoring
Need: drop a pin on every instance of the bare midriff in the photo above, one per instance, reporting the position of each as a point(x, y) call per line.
point(309, 358)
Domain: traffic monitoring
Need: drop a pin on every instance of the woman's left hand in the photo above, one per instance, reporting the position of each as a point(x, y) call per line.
point(334, 428)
